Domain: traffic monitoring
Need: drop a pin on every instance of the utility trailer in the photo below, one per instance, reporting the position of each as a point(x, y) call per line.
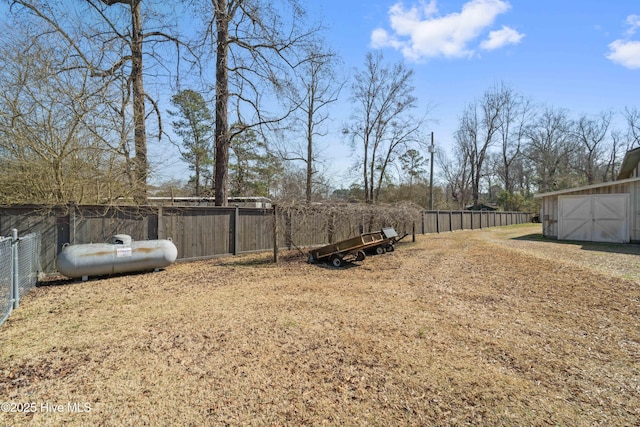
point(356, 248)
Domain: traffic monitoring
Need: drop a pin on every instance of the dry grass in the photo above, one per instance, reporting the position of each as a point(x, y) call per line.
point(493, 327)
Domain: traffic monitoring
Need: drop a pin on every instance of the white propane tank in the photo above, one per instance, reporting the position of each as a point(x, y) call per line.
point(120, 255)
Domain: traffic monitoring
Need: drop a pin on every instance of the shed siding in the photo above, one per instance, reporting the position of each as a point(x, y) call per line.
point(550, 207)
point(550, 216)
point(634, 218)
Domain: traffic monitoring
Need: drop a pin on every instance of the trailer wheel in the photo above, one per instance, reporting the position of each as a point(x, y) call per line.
point(380, 250)
point(337, 261)
point(390, 248)
point(360, 256)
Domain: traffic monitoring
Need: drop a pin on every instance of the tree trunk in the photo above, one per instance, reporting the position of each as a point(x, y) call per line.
point(222, 99)
point(367, 197)
point(310, 147)
point(140, 141)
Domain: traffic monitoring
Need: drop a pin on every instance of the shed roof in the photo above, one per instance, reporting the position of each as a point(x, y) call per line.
point(481, 207)
point(586, 187)
point(630, 162)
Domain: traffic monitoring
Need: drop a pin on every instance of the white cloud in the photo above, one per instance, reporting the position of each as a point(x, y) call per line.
point(634, 23)
point(500, 38)
point(625, 53)
point(419, 33)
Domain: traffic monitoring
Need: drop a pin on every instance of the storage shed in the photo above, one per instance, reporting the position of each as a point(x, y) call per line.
point(606, 212)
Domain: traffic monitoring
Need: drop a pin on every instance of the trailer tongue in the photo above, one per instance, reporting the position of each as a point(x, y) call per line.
point(356, 247)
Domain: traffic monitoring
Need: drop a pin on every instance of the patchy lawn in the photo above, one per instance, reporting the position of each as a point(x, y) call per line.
point(494, 327)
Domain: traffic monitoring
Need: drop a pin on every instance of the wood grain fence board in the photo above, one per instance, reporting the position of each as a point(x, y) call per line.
point(466, 220)
point(255, 230)
point(456, 221)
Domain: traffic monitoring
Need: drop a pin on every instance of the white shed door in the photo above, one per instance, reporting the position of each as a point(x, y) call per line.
point(594, 218)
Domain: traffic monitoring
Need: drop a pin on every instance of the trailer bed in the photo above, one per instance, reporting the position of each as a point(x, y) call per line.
point(355, 247)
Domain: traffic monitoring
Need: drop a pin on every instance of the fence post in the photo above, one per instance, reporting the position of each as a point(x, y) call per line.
point(288, 233)
point(275, 234)
point(159, 223)
point(331, 228)
point(236, 222)
point(72, 223)
point(15, 288)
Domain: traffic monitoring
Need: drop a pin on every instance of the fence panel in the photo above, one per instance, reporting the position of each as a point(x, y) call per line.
point(6, 303)
point(431, 222)
point(28, 262)
point(492, 219)
point(444, 221)
point(96, 224)
point(467, 218)
point(255, 230)
point(50, 223)
point(456, 221)
point(476, 220)
point(199, 231)
point(484, 219)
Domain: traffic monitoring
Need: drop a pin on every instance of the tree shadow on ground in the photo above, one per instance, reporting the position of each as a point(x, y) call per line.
point(620, 248)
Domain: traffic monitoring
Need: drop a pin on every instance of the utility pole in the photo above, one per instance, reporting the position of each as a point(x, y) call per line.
point(432, 150)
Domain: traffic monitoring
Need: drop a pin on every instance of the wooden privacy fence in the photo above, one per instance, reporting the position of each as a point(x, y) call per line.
point(201, 232)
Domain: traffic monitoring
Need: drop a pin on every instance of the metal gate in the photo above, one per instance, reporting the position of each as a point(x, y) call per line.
point(594, 218)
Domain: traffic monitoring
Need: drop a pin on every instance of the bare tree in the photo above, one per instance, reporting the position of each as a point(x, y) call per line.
point(51, 127)
point(479, 126)
point(110, 43)
point(318, 87)
point(455, 174)
point(381, 123)
point(613, 162)
point(549, 150)
point(590, 133)
point(632, 116)
point(255, 51)
point(514, 117)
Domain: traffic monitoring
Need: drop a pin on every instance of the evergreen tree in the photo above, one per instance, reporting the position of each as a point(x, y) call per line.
point(253, 169)
point(194, 124)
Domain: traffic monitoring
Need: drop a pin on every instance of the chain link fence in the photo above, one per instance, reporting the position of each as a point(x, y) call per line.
point(19, 270)
point(28, 263)
point(6, 300)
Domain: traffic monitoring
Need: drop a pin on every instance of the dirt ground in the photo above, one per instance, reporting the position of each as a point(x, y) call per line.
point(484, 327)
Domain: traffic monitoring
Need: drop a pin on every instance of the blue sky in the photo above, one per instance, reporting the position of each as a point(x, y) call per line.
point(580, 55)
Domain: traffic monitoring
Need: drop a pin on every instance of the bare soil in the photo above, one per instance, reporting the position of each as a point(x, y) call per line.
point(486, 327)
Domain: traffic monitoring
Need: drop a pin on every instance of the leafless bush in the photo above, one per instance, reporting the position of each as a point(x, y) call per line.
point(302, 223)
